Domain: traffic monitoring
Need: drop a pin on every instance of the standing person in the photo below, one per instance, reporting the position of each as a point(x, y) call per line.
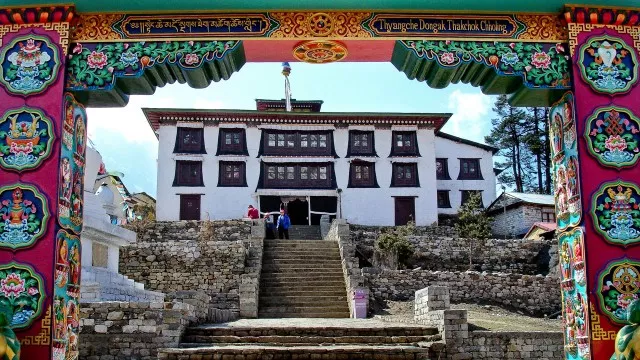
point(253, 213)
point(283, 225)
point(270, 226)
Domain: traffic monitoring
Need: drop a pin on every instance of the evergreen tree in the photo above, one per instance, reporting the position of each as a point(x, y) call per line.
point(473, 225)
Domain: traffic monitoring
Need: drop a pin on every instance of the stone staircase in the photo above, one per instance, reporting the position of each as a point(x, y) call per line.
point(302, 279)
point(302, 339)
point(305, 232)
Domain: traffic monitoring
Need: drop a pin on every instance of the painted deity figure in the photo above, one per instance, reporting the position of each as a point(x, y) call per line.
point(65, 178)
point(556, 128)
point(76, 197)
point(565, 261)
point(74, 265)
point(561, 191)
point(572, 177)
point(67, 133)
point(80, 137)
point(60, 311)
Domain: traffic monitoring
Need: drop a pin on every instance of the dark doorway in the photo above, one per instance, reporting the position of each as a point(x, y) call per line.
point(298, 211)
point(189, 207)
point(405, 210)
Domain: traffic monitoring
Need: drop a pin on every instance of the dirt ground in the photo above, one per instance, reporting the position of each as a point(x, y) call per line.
point(481, 317)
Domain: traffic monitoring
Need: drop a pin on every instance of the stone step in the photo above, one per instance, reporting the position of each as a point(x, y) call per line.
point(390, 329)
point(190, 341)
point(284, 261)
point(299, 256)
point(304, 244)
point(284, 300)
point(298, 268)
point(314, 248)
point(383, 352)
point(300, 277)
point(302, 291)
point(306, 315)
point(291, 310)
point(274, 285)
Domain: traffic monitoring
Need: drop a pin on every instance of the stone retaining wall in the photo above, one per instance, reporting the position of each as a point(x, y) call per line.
point(211, 257)
point(533, 294)
point(431, 308)
point(439, 248)
point(136, 330)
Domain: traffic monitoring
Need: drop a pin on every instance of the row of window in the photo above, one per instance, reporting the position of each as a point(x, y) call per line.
point(298, 175)
point(469, 169)
point(445, 203)
point(286, 142)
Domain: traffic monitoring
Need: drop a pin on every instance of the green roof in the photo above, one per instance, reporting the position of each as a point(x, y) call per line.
point(470, 6)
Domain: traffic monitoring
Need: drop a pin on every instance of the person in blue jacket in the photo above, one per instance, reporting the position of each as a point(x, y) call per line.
point(283, 225)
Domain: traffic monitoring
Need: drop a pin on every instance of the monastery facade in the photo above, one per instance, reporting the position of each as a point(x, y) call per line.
point(368, 168)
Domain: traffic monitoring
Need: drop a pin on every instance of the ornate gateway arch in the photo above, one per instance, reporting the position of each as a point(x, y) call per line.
point(56, 60)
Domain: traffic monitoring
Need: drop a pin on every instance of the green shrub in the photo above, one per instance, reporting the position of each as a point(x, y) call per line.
point(394, 241)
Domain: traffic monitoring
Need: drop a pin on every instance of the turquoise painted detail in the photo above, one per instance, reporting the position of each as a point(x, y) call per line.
point(469, 6)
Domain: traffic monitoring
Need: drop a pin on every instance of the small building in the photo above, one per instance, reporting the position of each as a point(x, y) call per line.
point(541, 231)
point(368, 168)
point(122, 200)
point(515, 213)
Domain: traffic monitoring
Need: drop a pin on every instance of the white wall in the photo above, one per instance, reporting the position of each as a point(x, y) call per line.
point(453, 151)
point(368, 206)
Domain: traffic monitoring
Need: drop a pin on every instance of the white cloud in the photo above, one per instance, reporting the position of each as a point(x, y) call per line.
point(471, 119)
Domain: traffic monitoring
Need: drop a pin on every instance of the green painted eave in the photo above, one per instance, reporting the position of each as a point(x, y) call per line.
point(476, 74)
point(469, 6)
point(160, 75)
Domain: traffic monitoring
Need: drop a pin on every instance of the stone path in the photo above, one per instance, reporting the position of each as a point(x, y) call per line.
point(309, 323)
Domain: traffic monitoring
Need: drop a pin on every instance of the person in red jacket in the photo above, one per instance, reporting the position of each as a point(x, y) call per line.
point(253, 213)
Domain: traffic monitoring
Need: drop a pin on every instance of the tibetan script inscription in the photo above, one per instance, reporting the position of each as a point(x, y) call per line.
point(438, 25)
point(137, 26)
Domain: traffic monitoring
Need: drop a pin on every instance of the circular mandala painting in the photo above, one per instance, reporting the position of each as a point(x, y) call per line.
point(26, 137)
point(29, 64)
point(618, 286)
point(24, 214)
point(320, 51)
point(608, 64)
point(616, 212)
point(22, 291)
point(613, 136)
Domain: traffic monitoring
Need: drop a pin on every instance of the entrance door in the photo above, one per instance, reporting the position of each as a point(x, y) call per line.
point(189, 207)
point(405, 210)
point(298, 211)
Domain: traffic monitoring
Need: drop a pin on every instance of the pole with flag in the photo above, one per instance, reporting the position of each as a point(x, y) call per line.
point(286, 70)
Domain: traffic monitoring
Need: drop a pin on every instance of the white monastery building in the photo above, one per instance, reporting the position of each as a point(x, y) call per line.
point(368, 168)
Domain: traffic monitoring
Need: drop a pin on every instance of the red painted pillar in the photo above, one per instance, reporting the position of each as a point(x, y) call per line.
point(42, 146)
point(603, 276)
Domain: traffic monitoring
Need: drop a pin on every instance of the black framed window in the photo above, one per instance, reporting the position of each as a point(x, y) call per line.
point(470, 169)
point(442, 169)
point(361, 143)
point(548, 216)
point(362, 175)
point(232, 173)
point(298, 143)
point(405, 175)
point(404, 143)
point(466, 194)
point(189, 140)
point(443, 199)
point(298, 176)
point(232, 142)
point(188, 173)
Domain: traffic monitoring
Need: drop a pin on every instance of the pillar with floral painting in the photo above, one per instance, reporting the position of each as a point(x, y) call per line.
point(595, 132)
point(42, 142)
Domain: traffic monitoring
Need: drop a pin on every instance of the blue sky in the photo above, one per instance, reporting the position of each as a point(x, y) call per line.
point(128, 145)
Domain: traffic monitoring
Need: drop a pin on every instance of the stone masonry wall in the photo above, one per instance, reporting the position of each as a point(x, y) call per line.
point(518, 221)
point(176, 256)
point(131, 330)
point(536, 295)
point(439, 248)
point(432, 308)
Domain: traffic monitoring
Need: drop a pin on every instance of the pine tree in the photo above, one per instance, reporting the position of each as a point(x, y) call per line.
point(473, 225)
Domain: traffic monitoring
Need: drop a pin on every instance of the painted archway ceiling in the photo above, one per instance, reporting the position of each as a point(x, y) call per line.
point(469, 6)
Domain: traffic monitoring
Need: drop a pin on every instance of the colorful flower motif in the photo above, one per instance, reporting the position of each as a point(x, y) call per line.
point(77, 49)
point(128, 58)
point(510, 58)
point(560, 48)
point(541, 60)
point(625, 299)
point(12, 285)
point(448, 58)
point(615, 143)
point(190, 59)
point(608, 64)
point(96, 60)
point(33, 291)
